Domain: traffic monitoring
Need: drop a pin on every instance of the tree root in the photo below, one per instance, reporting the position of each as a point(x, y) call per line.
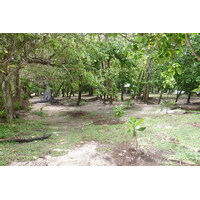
point(22, 140)
point(182, 162)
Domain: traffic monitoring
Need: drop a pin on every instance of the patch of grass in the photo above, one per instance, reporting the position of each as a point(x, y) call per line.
point(184, 137)
point(158, 131)
point(105, 133)
point(89, 115)
point(82, 103)
point(40, 113)
point(23, 151)
point(104, 149)
point(29, 108)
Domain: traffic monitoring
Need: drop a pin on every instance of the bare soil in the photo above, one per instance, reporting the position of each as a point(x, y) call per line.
point(108, 121)
point(86, 155)
point(121, 154)
point(77, 113)
point(126, 155)
point(196, 125)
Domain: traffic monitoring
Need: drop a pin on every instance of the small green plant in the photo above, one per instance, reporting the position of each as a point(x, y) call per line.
point(119, 111)
point(24, 96)
point(128, 103)
point(134, 126)
point(29, 108)
point(82, 103)
point(166, 104)
point(40, 113)
point(2, 113)
point(17, 105)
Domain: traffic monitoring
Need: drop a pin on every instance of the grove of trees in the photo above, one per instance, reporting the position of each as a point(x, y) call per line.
point(98, 64)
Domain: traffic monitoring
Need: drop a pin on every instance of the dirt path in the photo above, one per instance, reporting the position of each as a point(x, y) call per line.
point(87, 155)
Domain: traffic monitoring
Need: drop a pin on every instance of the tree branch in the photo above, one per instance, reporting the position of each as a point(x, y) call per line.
point(191, 48)
point(21, 140)
point(124, 36)
point(40, 61)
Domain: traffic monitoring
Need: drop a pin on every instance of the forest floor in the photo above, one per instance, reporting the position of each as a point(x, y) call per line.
point(90, 135)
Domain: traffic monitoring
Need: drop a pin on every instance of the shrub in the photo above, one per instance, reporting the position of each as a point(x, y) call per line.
point(40, 113)
point(166, 104)
point(2, 113)
point(24, 96)
point(128, 103)
point(134, 126)
point(119, 111)
point(17, 105)
point(82, 103)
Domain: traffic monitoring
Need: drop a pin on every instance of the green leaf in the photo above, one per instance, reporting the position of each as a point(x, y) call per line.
point(141, 128)
point(178, 70)
point(133, 119)
point(139, 122)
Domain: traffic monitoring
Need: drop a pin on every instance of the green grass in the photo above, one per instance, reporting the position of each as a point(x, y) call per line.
point(178, 128)
point(40, 113)
point(23, 129)
point(104, 149)
point(156, 136)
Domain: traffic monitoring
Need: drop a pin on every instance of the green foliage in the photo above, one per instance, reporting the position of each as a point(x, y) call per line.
point(166, 104)
point(29, 108)
point(82, 103)
point(24, 96)
point(128, 103)
point(74, 62)
point(40, 113)
point(2, 114)
point(118, 111)
point(135, 125)
point(17, 105)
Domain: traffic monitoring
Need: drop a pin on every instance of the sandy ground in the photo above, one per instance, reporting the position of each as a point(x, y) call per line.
point(87, 155)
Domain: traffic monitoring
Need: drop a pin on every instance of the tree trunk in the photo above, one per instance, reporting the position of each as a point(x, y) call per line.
point(48, 94)
point(177, 96)
point(104, 98)
point(70, 94)
point(122, 93)
point(140, 85)
point(79, 95)
point(17, 86)
point(146, 89)
point(111, 100)
point(189, 96)
point(91, 91)
point(160, 98)
point(63, 92)
point(7, 96)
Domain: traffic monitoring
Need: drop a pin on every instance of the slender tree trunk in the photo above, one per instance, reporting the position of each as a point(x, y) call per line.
point(104, 98)
point(111, 100)
point(70, 94)
point(79, 95)
point(122, 93)
point(57, 93)
point(146, 89)
point(178, 95)
point(189, 97)
point(63, 92)
point(17, 86)
point(140, 85)
point(160, 97)
point(7, 96)
point(91, 91)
